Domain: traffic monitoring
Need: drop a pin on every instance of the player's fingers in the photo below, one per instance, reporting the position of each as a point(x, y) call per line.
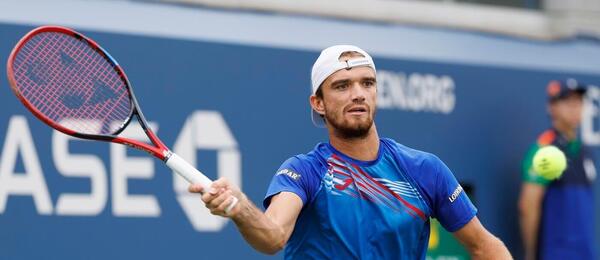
point(219, 201)
point(207, 197)
point(227, 207)
point(221, 183)
point(195, 188)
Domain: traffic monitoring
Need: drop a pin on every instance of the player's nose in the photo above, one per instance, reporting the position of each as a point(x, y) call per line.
point(357, 92)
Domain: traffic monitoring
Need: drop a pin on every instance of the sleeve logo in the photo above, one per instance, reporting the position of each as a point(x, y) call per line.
point(295, 176)
point(455, 194)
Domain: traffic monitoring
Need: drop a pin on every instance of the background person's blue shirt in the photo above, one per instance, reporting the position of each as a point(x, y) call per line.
point(376, 209)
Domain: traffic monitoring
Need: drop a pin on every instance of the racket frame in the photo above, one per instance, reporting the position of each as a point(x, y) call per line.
point(159, 149)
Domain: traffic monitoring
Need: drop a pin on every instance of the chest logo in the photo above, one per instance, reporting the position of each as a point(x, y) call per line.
point(351, 180)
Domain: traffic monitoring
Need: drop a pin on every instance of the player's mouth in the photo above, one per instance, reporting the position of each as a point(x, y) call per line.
point(357, 110)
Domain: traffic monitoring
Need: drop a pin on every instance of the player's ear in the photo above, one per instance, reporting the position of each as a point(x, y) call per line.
point(317, 104)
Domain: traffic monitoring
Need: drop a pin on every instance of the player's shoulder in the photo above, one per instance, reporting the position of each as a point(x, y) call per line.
point(423, 167)
point(308, 160)
point(410, 156)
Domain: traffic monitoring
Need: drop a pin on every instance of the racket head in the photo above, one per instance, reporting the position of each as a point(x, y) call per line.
point(72, 84)
point(69, 82)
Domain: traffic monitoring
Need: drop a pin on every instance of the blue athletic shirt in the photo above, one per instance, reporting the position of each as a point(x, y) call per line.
point(376, 209)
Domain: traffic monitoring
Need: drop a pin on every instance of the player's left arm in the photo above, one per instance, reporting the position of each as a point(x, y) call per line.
point(480, 243)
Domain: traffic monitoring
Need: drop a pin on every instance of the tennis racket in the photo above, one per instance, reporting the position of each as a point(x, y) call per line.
point(70, 83)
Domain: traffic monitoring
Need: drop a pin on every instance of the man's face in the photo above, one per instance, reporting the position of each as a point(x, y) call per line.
point(349, 101)
point(568, 110)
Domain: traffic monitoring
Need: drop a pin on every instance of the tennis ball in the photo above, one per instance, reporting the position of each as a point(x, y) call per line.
point(549, 162)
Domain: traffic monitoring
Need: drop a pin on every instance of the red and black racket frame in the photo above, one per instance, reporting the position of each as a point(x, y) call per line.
point(159, 150)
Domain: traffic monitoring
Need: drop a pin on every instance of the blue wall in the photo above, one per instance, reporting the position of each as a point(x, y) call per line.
point(262, 94)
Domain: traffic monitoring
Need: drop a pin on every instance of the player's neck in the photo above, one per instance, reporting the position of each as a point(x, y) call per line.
point(363, 149)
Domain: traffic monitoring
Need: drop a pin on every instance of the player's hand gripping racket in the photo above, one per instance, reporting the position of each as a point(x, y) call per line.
point(69, 82)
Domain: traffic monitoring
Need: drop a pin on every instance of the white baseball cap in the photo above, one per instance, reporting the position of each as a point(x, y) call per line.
point(328, 63)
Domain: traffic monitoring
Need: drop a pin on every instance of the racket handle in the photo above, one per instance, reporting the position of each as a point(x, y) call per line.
point(188, 172)
point(194, 176)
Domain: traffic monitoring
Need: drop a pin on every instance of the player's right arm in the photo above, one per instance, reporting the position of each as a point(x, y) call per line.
point(266, 232)
point(269, 232)
point(290, 189)
point(530, 211)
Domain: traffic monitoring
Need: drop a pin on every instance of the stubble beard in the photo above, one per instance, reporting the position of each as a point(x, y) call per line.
point(346, 130)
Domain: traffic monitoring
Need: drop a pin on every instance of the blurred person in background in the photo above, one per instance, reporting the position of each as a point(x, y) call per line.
point(358, 196)
point(557, 216)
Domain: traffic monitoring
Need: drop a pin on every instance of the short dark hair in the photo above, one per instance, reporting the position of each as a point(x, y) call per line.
point(319, 92)
point(351, 54)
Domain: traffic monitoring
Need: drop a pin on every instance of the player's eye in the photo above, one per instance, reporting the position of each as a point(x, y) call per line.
point(369, 83)
point(340, 86)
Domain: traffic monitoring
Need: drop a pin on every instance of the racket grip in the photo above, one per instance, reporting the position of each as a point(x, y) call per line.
point(194, 176)
point(188, 172)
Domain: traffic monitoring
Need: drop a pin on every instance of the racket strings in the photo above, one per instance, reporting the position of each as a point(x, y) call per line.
point(67, 80)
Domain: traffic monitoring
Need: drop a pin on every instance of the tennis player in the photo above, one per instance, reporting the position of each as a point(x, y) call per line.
point(358, 196)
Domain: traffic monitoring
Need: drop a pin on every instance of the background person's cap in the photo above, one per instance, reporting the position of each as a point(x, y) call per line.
point(559, 89)
point(328, 63)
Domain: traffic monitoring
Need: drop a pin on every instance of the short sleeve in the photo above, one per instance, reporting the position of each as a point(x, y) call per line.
point(292, 176)
point(528, 174)
point(452, 206)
